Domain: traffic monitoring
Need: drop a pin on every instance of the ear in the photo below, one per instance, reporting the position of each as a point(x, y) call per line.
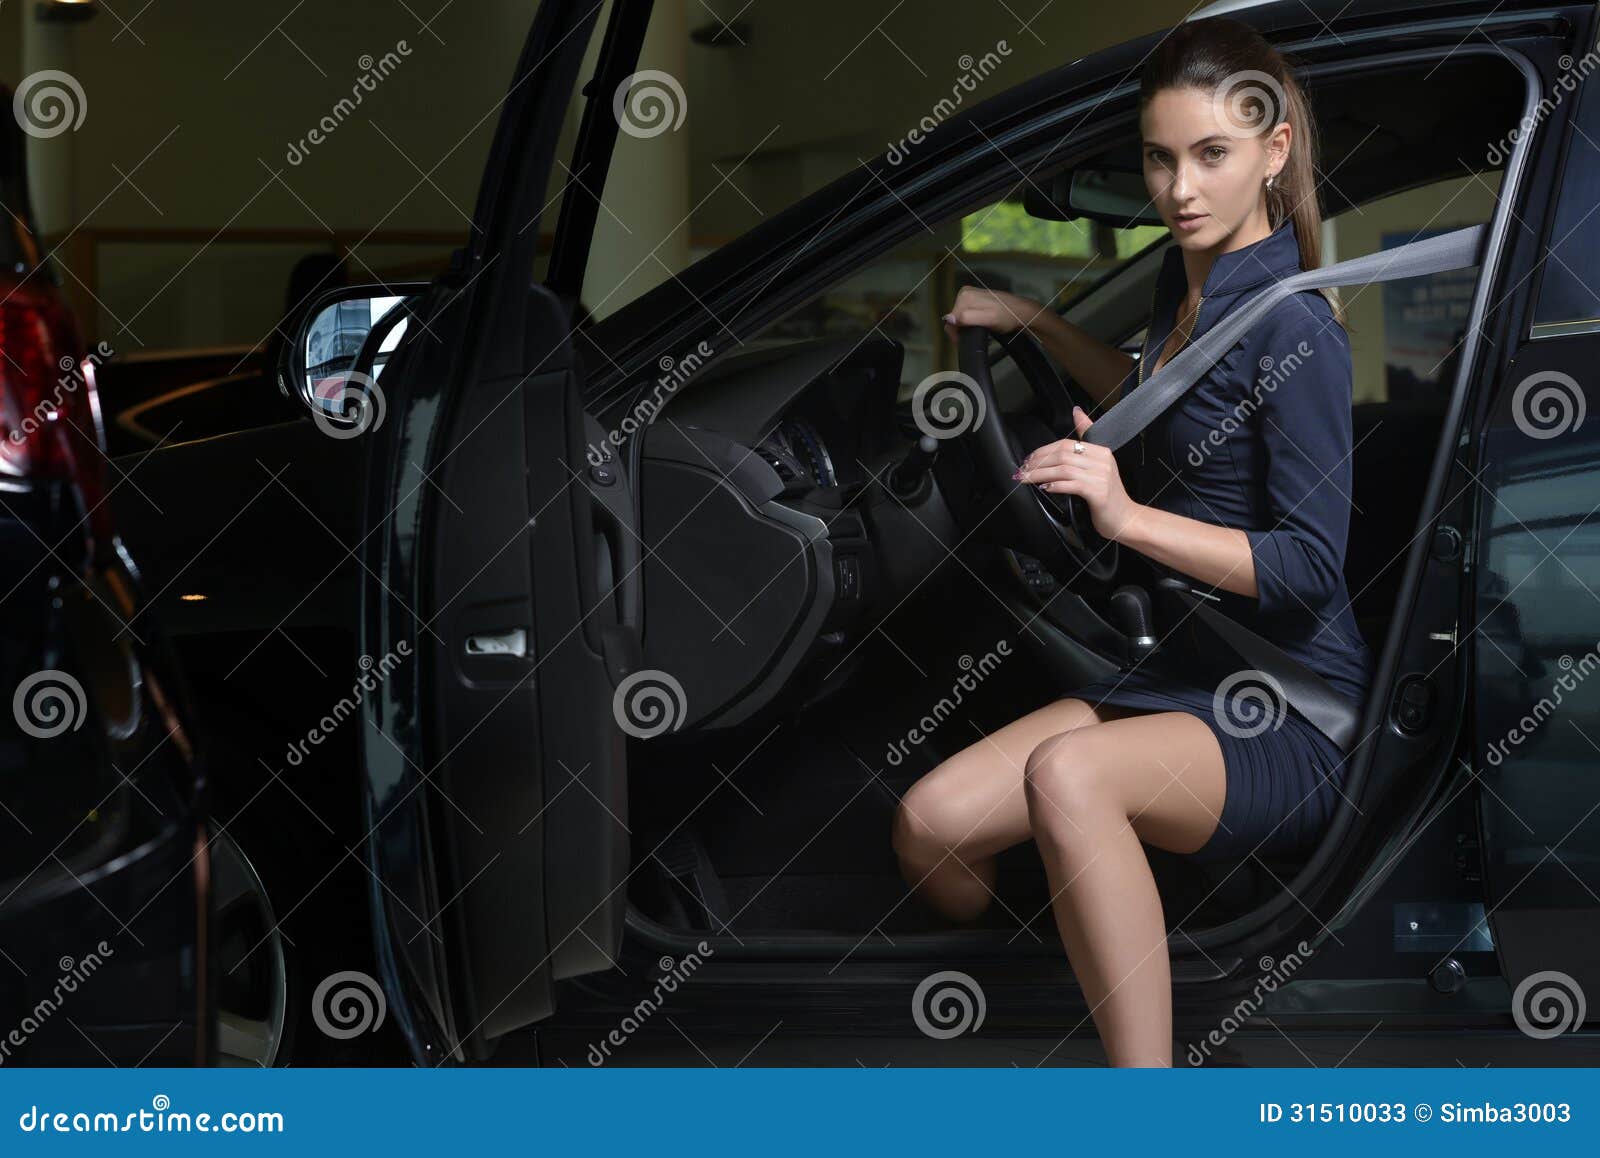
point(1278, 142)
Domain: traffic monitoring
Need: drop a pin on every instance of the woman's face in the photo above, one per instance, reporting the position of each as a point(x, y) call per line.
point(1204, 173)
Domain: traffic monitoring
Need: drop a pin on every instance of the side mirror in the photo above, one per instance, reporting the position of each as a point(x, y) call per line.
point(329, 337)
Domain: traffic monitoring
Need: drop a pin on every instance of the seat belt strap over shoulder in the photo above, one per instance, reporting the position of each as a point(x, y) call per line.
point(1457, 249)
point(1306, 691)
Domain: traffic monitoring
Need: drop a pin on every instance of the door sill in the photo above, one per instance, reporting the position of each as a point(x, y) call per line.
point(952, 945)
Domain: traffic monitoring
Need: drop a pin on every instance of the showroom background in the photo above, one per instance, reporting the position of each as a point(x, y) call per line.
point(183, 195)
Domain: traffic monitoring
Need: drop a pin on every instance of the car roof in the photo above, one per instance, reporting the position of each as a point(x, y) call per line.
point(1236, 7)
point(1223, 7)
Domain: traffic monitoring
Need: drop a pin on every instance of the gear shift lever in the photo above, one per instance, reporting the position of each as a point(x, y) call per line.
point(1130, 604)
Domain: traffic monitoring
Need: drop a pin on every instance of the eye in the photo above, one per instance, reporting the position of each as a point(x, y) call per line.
point(1156, 156)
point(1214, 153)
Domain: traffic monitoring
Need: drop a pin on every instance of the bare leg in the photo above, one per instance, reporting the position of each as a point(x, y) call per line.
point(952, 822)
point(1093, 794)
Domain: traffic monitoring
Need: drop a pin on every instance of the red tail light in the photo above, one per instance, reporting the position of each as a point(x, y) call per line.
point(49, 413)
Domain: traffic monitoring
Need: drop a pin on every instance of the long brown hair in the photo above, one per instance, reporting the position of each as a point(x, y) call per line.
point(1230, 59)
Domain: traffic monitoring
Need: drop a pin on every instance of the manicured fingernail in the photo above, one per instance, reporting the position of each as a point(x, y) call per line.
point(1016, 474)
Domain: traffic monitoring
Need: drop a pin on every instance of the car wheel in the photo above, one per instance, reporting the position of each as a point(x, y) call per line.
point(253, 978)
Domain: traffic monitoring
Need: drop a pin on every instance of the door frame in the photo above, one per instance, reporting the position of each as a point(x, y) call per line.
point(953, 177)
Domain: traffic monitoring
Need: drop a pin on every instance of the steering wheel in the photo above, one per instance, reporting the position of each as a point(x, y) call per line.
point(1055, 528)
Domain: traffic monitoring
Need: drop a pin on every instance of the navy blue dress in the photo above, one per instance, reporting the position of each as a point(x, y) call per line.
point(1261, 443)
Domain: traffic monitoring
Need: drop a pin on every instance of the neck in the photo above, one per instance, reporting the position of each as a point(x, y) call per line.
point(1197, 263)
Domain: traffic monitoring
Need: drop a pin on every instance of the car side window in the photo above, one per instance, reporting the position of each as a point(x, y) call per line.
point(1406, 335)
point(1569, 289)
point(999, 245)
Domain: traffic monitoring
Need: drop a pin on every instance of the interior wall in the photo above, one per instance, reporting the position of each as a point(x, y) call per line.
point(1447, 205)
point(825, 91)
point(198, 116)
point(201, 116)
point(10, 42)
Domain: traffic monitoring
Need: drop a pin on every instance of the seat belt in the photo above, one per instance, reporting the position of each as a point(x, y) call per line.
point(1454, 250)
point(1306, 691)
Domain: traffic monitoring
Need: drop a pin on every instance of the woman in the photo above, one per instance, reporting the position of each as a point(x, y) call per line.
point(1243, 487)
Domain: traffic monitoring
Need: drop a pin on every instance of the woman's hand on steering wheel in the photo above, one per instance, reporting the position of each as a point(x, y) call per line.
point(995, 310)
point(1072, 467)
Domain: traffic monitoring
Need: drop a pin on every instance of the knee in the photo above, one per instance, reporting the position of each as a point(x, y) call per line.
point(1067, 781)
point(922, 829)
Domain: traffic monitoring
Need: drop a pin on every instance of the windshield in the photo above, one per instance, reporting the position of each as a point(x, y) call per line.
point(730, 120)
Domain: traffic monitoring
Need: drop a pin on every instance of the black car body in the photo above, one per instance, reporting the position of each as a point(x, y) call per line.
point(104, 868)
point(505, 820)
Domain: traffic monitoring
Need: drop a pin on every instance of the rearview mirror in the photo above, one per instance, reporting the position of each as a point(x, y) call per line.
point(330, 336)
point(1114, 196)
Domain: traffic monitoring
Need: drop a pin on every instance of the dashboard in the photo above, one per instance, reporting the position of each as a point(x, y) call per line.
point(815, 411)
point(771, 546)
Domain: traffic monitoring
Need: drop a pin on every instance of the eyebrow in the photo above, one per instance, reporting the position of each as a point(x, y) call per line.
point(1147, 144)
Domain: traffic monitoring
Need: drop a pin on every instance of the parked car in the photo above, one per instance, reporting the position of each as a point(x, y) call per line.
point(110, 896)
point(647, 642)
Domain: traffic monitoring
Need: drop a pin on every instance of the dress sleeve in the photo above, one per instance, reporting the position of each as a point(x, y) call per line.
point(1304, 425)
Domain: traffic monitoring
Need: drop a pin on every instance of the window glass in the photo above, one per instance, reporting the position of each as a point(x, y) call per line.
point(1569, 286)
point(903, 294)
point(1404, 335)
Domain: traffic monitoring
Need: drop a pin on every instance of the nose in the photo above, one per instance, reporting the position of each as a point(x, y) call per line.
point(1182, 185)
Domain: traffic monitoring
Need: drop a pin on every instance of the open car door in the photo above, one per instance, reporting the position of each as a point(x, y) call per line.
point(500, 554)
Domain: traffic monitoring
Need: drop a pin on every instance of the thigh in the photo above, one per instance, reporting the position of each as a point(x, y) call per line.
point(974, 801)
point(1164, 770)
